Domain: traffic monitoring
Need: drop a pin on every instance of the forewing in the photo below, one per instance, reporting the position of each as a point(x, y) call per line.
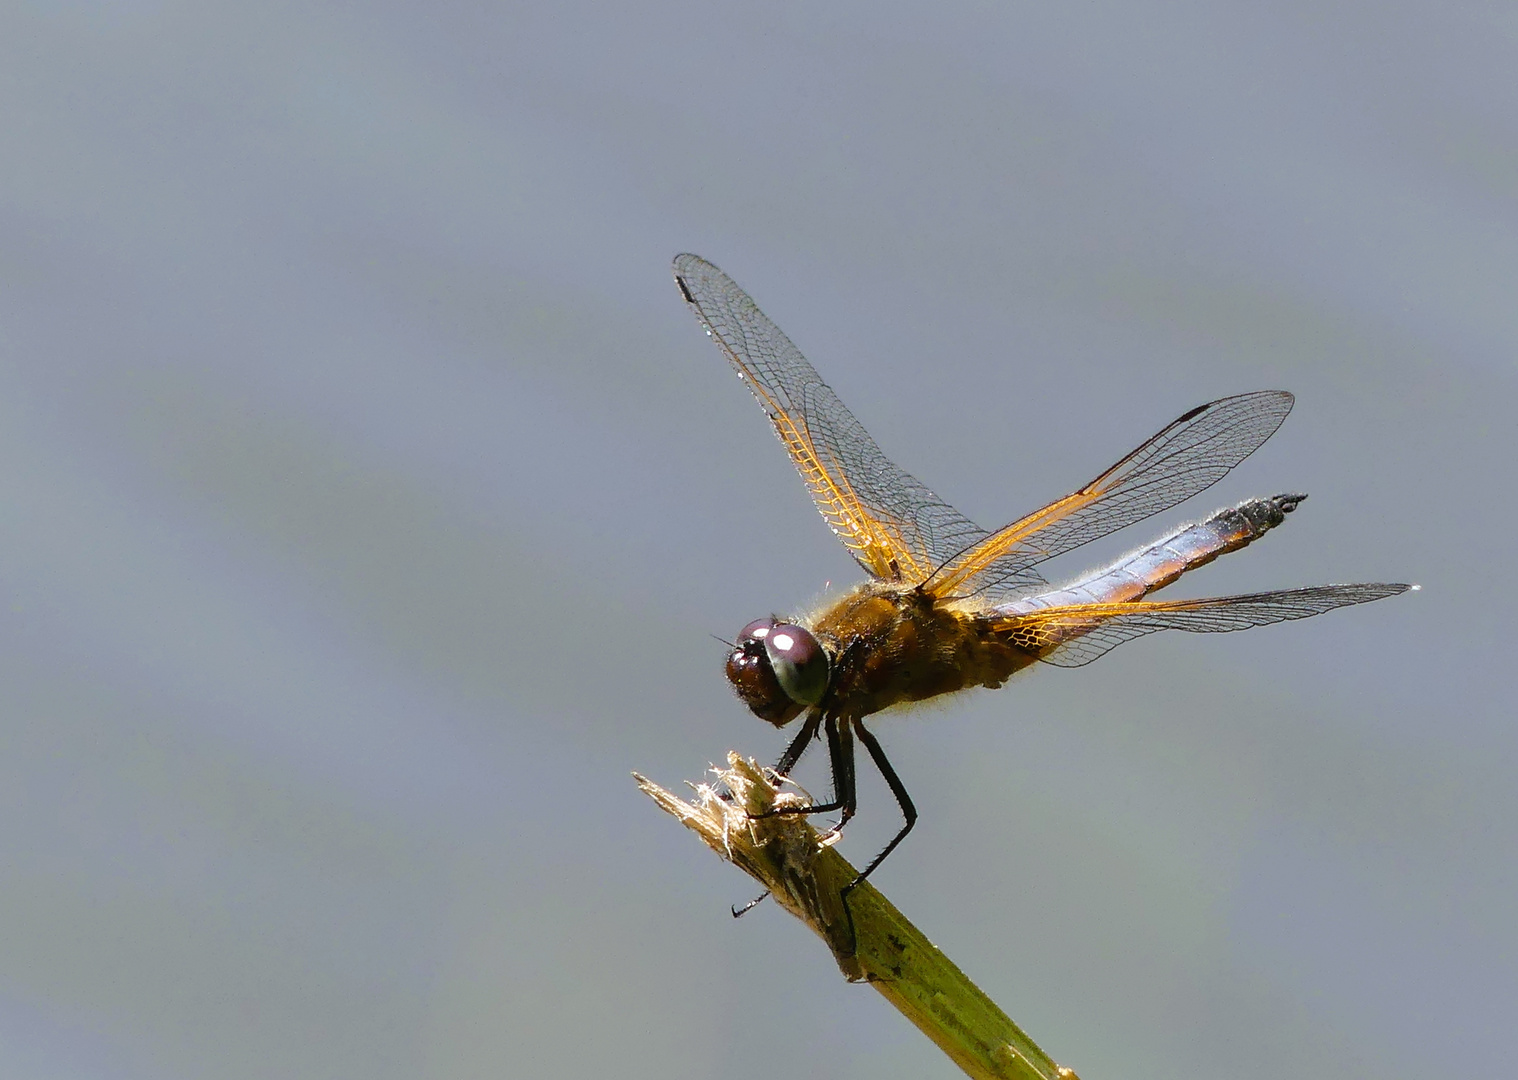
point(1077, 634)
point(891, 523)
point(1188, 456)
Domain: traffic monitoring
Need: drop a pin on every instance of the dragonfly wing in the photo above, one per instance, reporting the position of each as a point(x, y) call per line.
point(891, 523)
point(1076, 634)
point(1188, 456)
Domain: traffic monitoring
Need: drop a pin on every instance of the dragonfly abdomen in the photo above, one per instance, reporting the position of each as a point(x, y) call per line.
point(1135, 576)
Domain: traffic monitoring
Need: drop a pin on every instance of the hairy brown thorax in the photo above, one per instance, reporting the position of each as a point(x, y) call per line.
point(893, 643)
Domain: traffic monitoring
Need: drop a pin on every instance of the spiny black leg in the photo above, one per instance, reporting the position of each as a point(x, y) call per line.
point(799, 744)
point(739, 912)
point(845, 791)
point(903, 800)
point(841, 755)
point(908, 811)
point(783, 768)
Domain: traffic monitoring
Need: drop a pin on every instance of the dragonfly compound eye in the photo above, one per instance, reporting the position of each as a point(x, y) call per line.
point(753, 678)
point(799, 662)
point(755, 632)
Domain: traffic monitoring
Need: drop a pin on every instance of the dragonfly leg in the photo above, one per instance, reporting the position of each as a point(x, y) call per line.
point(799, 744)
point(841, 755)
point(908, 811)
point(898, 789)
point(845, 793)
point(739, 912)
point(787, 762)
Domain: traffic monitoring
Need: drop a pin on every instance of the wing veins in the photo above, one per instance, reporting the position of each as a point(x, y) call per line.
point(891, 523)
point(1076, 634)
point(1185, 457)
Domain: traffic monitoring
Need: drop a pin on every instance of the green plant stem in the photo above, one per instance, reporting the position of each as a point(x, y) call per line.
point(786, 856)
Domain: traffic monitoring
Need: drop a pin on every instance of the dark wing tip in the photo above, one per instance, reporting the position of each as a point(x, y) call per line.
point(1283, 400)
point(683, 265)
point(696, 276)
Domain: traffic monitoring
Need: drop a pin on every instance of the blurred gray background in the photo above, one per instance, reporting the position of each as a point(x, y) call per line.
point(370, 500)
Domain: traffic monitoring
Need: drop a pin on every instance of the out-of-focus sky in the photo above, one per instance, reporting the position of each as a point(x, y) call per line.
point(370, 500)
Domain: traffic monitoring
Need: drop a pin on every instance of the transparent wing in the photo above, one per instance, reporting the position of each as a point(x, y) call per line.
point(1079, 633)
point(891, 523)
point(1188, 456)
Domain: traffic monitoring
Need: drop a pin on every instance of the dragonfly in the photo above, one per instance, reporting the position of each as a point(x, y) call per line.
point(948, 605)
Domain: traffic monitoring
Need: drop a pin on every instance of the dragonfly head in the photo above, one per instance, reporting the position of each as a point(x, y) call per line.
point(778, 669)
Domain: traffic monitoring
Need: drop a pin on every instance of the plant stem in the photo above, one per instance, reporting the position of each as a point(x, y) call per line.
point(786, 856)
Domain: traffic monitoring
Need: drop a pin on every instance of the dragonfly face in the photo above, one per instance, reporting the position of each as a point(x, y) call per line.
point(950, 605)
point(778, 670)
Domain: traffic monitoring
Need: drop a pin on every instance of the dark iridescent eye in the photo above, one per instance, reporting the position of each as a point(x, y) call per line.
point(755, 684)
point(749, 670)
point(799, 662)
point(755, 631)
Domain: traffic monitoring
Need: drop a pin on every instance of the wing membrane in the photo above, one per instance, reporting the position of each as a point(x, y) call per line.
point(1074, 635)
point(1188, 456)
point(891, 523)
